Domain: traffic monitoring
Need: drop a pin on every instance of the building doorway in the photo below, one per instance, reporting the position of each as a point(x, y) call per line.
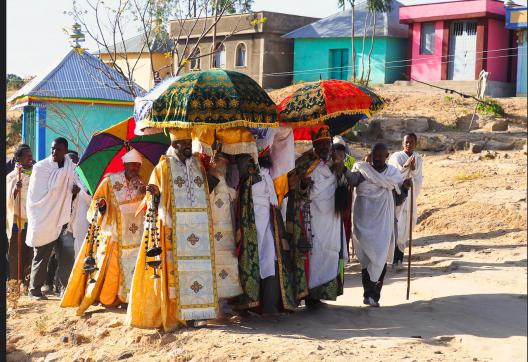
point(462, 50)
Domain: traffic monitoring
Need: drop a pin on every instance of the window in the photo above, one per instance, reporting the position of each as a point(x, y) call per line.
point(195, 59)
point(427, 38)
point(339, 64)
point(219, 59)
point(240, 60)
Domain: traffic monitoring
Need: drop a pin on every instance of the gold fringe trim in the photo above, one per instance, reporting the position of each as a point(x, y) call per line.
point(231, 149)
point(239, 123)
point(314, 122)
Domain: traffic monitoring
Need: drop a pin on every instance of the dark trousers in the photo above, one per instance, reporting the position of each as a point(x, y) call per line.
point(25, 259)
point(65, 254)
point(270, 293)
point(52, 280)
point(370, 288)
point(398, 255)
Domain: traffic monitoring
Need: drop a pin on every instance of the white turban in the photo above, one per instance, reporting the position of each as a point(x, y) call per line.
point(132, 156)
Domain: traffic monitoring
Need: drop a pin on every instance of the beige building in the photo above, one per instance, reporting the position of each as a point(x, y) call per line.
point(139, 58)
point(248, 43)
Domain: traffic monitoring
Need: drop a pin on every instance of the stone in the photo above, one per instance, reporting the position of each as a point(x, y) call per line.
point(52, 357)
point(499, 146)
point(320, 348)
point(416, 125)
point(102, 333)
point(15, 339)
point(176, 352)
point(430, 142)
point(64, 339)
point(10, 348)
point(167, 338)
point(460, 145)
point(498, 125)
point(525, 149)
point(475, 147)
point(115, 323)
point(125, 355)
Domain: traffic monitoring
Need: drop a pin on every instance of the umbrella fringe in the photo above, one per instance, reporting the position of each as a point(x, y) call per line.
point(230, 149)
point(230, 124)
point(315, 122)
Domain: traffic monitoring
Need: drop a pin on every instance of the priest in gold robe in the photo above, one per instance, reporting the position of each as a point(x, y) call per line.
point(116, 246)
point(182, 289)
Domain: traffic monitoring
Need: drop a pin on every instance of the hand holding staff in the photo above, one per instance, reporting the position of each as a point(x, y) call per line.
point(410, 243)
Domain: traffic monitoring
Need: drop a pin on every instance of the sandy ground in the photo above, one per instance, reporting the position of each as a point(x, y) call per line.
point(468, 294)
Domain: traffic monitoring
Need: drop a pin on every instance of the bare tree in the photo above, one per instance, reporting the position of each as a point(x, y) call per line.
point(109, 27)
point(69, 123)
point(375, 7)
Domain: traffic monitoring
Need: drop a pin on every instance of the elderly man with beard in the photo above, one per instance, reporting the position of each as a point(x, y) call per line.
point(17, 183)
point(185, 290)
point(314, 223)
point(115, 250)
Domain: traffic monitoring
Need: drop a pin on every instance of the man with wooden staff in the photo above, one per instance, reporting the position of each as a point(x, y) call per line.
point(17, 182)
point(409, 163)
point(379, 189)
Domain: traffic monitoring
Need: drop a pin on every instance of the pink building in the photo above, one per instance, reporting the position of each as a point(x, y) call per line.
point(455, 40)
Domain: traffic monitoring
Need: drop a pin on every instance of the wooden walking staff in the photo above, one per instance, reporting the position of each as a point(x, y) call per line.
point(410, 243)
point(19, 223)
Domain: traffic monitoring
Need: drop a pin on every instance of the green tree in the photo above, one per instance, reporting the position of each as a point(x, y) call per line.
point(342, 4)
point(14, 82)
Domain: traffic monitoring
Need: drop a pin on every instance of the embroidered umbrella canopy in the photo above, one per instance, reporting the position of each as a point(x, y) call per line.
point(104, 152)
point(337, 103)
point(216, 98)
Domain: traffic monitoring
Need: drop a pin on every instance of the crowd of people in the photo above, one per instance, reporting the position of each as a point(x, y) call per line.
point(209, 237)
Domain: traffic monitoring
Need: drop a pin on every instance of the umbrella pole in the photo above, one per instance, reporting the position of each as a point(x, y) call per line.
point(410, 244)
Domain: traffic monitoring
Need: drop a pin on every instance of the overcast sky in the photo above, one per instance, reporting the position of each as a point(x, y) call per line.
point(36, 40)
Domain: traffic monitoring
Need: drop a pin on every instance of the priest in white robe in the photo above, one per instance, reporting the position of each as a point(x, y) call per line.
point(410, 165)
point(378, 189)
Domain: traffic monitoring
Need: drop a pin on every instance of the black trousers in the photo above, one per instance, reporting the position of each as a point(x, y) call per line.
point(398, 255)
point(26, 256)
point(270, 293)
point(65, 254)
point(370, 288)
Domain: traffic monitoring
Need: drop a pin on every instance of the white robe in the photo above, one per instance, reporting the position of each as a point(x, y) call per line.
point(327, 229)
point(49, 200)
point(12, 203)
point(263, 193)
point(79, 223)
point(373, 218)
point(403, 211)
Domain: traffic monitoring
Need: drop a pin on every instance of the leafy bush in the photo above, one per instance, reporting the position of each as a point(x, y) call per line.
point(490, 107)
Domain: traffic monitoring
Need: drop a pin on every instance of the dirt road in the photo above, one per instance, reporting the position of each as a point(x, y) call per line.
point(468, 300)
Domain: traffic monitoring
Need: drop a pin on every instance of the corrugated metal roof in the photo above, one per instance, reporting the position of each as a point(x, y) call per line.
point(79, 76)
point(160, 44)
point(340, 25)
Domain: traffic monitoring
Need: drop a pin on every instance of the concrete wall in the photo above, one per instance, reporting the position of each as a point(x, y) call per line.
point(143, 71)
point(312, 58)
point(57, 123)
point(426, 67)
point(497, 61)
point(451, 10)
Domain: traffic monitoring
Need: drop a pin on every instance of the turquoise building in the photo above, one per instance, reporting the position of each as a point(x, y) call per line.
point(517, 20)
point(78, 96)
point(323, 49)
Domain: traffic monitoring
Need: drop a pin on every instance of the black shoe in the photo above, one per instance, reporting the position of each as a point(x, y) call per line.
point(37, 296)
point(370, 302)
point(313, 303)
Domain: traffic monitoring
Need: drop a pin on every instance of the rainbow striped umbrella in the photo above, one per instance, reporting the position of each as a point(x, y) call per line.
point(104, 152)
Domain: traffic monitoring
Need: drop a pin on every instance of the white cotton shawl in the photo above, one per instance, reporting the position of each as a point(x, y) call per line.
point(79, 223)
point(12, 203)
point(328, 236)
point(403, 211)
point(49, 201)
point(373, 217)
point(263, 194)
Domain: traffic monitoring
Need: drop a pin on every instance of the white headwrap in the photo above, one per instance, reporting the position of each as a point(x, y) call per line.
point(132, 156)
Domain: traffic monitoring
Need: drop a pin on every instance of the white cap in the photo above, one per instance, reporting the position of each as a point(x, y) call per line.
point(132, 156)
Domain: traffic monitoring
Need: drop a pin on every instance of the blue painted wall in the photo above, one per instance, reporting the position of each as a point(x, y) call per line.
point(50, 121)
point(312, 58)
point(522, 60)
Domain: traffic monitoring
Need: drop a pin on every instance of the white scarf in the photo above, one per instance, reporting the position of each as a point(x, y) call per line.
point(49, 200)
point(374, 217)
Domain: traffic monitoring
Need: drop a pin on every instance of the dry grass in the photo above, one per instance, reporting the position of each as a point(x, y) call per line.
point(41, 325)
point(14, 293)
point(467, 176)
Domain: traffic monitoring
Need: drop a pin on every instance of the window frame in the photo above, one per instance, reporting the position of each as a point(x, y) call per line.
point(245, 55)
point(423, 37)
